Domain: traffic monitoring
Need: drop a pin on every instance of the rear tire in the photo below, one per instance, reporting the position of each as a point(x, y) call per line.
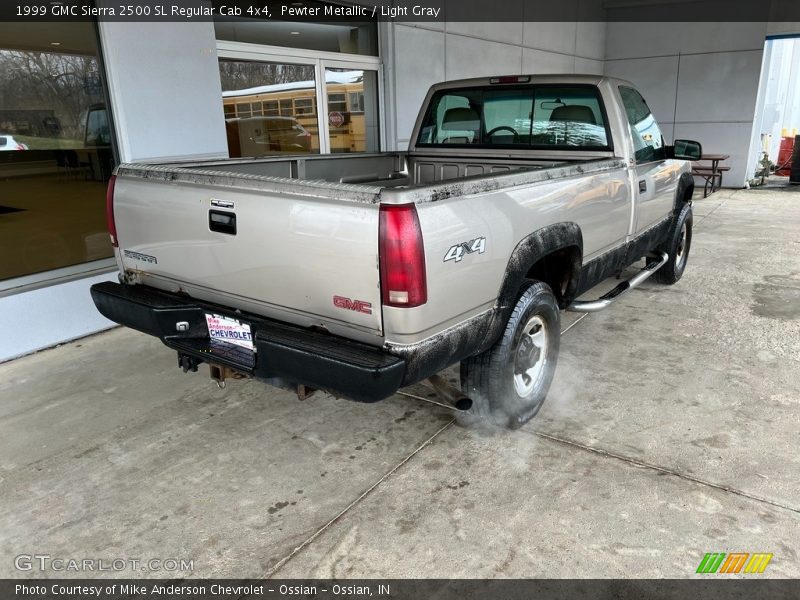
point(509, 382)
point(677, 246)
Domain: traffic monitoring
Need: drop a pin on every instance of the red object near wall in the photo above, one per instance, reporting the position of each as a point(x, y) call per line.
point(785, 156)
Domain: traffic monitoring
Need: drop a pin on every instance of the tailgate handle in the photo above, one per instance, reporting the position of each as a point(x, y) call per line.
point(222, 222)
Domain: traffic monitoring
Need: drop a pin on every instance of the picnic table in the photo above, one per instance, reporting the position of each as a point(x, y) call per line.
point(713, 174)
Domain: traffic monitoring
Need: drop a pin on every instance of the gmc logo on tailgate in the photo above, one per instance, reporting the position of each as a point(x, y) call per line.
point(356, 305)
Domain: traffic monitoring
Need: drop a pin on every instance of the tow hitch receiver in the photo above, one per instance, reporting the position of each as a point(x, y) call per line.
point(220, 373)
point(187, 363)
point(654, 263)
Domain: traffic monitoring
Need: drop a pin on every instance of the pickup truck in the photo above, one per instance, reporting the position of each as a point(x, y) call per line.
point(360, 274)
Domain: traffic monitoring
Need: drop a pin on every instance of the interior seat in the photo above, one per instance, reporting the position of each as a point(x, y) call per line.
point(462, 120)
point(575, 112)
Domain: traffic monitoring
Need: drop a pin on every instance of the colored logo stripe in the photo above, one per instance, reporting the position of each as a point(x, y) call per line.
point(757, 563)
point(734, 562)
point(713, 562)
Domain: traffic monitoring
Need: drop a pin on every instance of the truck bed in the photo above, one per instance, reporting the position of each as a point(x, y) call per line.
point(362, 177)
point(306, 228)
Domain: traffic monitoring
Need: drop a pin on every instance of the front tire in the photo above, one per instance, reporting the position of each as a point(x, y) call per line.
point(509, 382)
point(677, 246)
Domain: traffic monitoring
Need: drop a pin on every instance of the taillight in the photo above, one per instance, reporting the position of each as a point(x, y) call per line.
point(402, 257)
point(112, 226)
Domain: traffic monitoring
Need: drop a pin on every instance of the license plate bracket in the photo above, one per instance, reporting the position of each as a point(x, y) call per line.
point(230, 331)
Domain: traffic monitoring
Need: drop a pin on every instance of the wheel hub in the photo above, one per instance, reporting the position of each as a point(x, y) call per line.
point(530, 356)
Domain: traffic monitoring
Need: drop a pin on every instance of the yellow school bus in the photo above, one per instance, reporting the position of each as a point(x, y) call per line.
point(298, 101)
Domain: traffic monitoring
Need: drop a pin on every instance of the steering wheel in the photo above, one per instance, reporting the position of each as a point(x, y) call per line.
point(504, 128)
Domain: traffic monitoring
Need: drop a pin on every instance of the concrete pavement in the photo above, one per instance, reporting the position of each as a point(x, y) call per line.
point(671, 431)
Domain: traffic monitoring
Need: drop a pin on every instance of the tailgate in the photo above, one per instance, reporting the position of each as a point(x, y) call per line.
point(298, 258)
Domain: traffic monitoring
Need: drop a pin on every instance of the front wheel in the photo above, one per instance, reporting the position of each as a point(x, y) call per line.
point(677, 246)
point(509, 382)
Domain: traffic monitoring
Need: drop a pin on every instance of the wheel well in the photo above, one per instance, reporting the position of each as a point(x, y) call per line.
point(560, 270)
point(688, 193)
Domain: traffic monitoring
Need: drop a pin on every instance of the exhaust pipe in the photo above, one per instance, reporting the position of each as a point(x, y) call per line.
point(449, 393)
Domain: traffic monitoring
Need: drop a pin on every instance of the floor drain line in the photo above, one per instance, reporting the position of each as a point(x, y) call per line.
point(665, 470)
point(354, 503)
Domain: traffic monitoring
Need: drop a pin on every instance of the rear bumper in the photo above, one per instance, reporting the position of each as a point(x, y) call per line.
point(295, 354)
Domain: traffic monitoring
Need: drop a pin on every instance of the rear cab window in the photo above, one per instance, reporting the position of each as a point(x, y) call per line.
point(537, 117)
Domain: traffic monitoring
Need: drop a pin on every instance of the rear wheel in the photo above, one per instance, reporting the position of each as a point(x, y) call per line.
point(677, 246)
point(509, 382)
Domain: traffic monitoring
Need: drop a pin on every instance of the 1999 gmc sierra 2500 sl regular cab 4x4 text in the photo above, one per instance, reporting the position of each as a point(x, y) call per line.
point(361, 274)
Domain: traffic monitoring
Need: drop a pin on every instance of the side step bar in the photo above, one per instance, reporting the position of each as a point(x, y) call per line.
point(606, 299)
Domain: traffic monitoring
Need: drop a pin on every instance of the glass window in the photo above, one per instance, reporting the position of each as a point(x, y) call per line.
point(353, 128)
point(243, 110)
point(561, 117)
point(271, 108)
point(55, 149)
point(304, 106)
point(356, 102)
point(266, 91)
point(337, 102)
point(648, 143)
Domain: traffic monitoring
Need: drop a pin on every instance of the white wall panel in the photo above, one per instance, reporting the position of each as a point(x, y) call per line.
point(590, 40)
point(555, 37)
point(702, 76)
point(165, 89)
point(415, 46)
point(506, 32)
point(539, 61)
point(48, 316)
point(588, 66)
point(639, 40)
point(472, 57)
point(722, 138)
point(718, 87)
point(656, 78)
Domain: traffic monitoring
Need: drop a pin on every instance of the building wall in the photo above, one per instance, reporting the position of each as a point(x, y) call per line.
point(700, 79)
point(167, 103)
point(165, 89)
point(418, 55)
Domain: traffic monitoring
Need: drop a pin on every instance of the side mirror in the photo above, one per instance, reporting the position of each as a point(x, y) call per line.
point(687, 150)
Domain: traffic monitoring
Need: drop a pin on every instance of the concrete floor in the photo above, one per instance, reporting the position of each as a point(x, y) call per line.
point(671, 431)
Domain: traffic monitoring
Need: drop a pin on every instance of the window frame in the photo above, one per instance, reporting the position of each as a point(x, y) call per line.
point(320, 61)
point(609, 147)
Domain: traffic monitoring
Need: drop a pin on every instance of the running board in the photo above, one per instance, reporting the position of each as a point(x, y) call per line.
point(606, 299)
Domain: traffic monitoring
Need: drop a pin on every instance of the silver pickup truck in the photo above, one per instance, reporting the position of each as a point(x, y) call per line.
point(360, 274)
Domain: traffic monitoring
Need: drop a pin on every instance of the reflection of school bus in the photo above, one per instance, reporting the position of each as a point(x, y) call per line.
point(298, 100)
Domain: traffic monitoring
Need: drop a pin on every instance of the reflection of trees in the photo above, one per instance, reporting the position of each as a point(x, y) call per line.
point(242, 75)
point(63, 83)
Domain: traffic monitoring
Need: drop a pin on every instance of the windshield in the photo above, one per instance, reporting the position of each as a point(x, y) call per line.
point(545, 116)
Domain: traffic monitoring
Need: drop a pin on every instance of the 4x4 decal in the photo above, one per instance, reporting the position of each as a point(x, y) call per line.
point(458, 251)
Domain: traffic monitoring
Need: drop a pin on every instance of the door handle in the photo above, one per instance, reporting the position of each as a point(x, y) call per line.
point(642, 186)
point(222, 222)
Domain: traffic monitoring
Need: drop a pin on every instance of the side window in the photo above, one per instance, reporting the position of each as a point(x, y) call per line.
point(648, 143)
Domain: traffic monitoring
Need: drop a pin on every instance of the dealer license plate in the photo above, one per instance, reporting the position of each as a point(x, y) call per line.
point(230, 331)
